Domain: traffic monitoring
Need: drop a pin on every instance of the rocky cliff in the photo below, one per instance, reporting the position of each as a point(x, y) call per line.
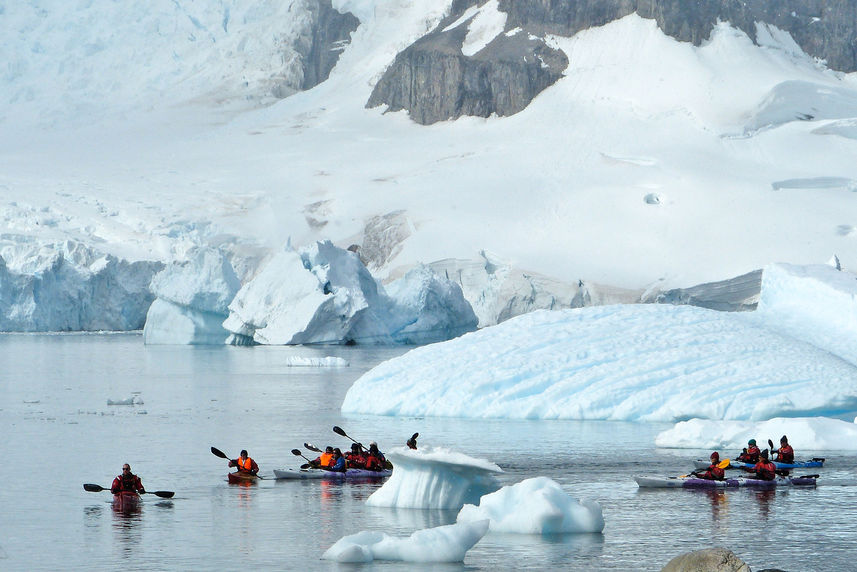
point(434, 80)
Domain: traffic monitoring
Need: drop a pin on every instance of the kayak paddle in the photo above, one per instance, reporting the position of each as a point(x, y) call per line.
point(98, 488)
point(339, 431)
point(722, 464)
point(312, 447)
point(299, 454)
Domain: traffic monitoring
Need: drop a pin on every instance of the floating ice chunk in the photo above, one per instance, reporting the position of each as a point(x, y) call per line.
point(804, 433)
point(133, 400)
point(435, 478)
point(447, 543)
point(329, 361)
point(535, 506)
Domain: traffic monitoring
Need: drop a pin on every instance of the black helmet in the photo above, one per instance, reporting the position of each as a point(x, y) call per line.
point(328, 449)
point(764, 453)
point(784, 439)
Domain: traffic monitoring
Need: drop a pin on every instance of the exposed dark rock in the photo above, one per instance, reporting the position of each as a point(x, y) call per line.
point(707, 560)
point(824, 29)
point(330, 32)
point(434, 81)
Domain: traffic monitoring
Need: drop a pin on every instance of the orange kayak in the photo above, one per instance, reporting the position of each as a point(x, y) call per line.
point(126, 501)
point(241, 478)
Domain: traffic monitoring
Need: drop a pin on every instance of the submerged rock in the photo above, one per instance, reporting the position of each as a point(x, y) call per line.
point(707, 560)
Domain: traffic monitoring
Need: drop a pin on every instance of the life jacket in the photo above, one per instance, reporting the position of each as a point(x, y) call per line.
point(325, 459)
point(373, 463)
point(355, 460)
point(126, 483)
point(765, 470)
point(751, 456)
point(244, 464)
point(786, 454)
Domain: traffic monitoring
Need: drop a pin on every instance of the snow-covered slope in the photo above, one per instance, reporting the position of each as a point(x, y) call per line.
point(147, 130)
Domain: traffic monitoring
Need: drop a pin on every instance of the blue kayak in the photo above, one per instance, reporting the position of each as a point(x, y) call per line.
point(813, 463)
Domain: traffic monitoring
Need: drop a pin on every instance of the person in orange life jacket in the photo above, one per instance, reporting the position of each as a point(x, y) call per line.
point(750, 454)
point(338, 462)
point(355, 459)
point(765, 470)
point(323, 461)
point(245, 464)
point(127, 481)
point(785, 454)
point(375, 459)
point(713, 472)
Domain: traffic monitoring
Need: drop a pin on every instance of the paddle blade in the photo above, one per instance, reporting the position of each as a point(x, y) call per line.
point(296, 452)
point(339, 431)
point(305, 466)
point(219, 453)
point(93, 488)
point(163, 494)
point(723, 464)
point(312, 447)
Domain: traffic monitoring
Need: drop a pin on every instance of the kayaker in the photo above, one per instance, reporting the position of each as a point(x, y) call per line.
point(765, 470)
point(375, 459)
point(751, 453)
point(127, 481)
point(338, 462)
point(355, 459)
point(785, 454)
point(324, 460)
point(713, 472)
point(245, 464)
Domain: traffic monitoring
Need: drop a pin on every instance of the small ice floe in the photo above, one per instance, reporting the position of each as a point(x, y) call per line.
point(441, 544)
point(535, 506)
point(435, 478)
point(329, 361)
point(133, 400)
point(816, 183)
point(653, 199)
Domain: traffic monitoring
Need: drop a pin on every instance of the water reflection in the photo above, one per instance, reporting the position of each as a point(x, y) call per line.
point(764, 498)
point(719, 501)
point(128, 529)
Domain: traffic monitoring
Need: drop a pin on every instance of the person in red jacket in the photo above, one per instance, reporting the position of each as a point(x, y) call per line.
point(751, 453)
point(713, 472)
point(785, 454)
point(127, 481)
point(355, 459)
point(375, 459)
point(765, 470)
point(245, 464)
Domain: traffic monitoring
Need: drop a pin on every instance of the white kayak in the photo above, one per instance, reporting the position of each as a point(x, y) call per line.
point(283, 474)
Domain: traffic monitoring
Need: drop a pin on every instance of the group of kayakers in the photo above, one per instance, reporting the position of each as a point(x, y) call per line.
point(332, 458)
point(763, 468)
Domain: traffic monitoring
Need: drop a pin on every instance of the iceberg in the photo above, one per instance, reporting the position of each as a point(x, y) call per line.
point(325, 295)
point(639, 362)
point(192, 300)
point(804, 433)
point(535, 506)
point(435, 478)
point(447, 543)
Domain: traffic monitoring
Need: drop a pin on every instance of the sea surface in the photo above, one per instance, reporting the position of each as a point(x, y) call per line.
point(59, 432)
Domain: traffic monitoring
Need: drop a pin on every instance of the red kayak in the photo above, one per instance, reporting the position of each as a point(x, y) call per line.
point(241, 478)
point(126, 501)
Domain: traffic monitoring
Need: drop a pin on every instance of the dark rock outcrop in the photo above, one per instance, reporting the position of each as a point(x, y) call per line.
point(434, 81)
point(330, 32)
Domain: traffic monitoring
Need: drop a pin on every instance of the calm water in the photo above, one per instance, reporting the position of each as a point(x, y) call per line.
point(59, 433)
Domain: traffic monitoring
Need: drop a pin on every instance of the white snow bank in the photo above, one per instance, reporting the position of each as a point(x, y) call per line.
point(435, 478)
point(447, 543)
point(535, 506)
point(816, 303)
point(324, 294)
point(805, 434)
point(797, 100)
point(624, 362)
